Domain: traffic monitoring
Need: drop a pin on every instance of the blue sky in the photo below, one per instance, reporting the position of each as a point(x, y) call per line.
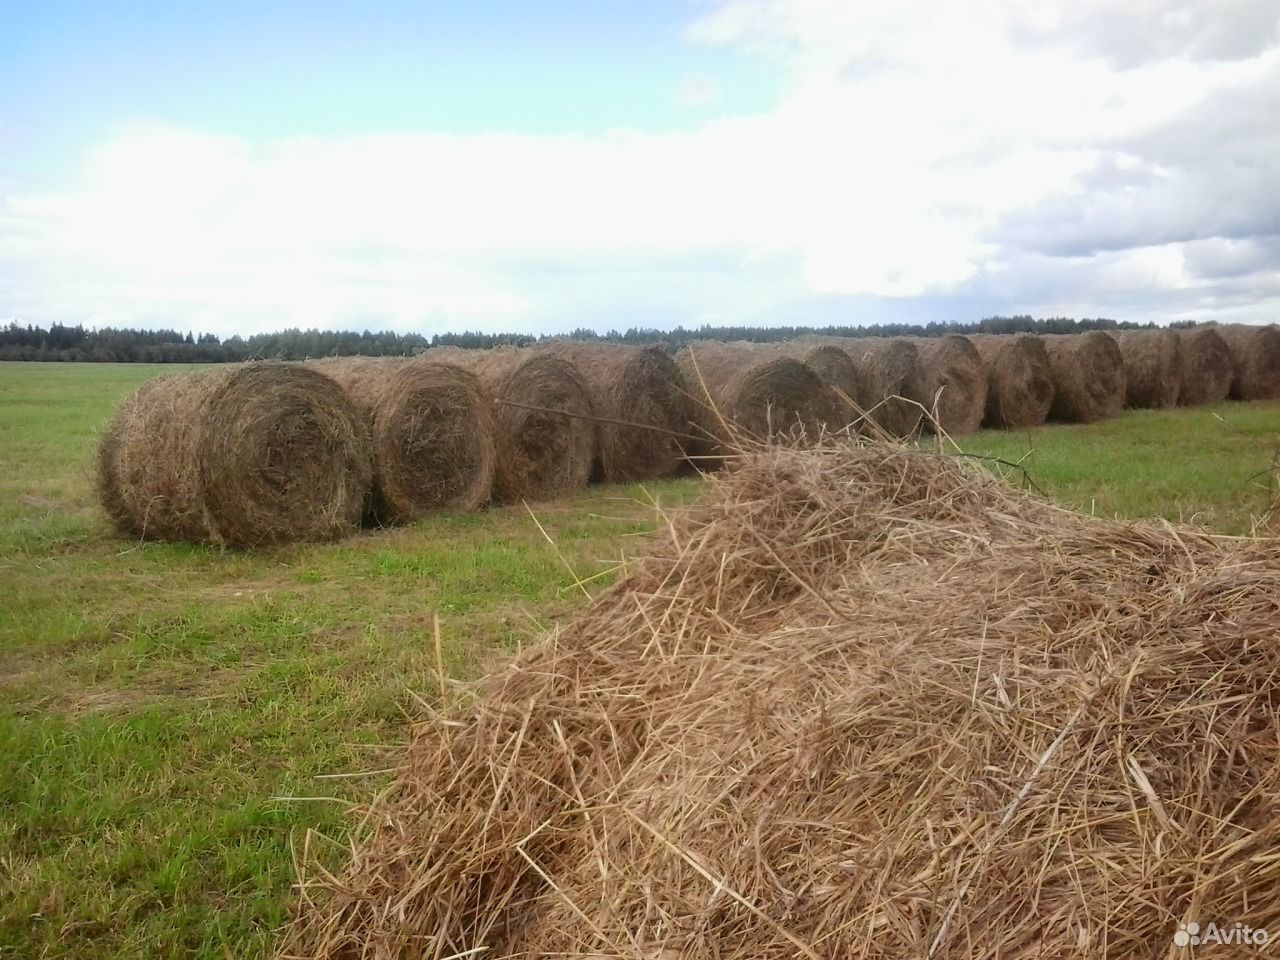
point(247, 166)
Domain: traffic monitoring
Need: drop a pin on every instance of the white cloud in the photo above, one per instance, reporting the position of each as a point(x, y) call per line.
point(1077, 158)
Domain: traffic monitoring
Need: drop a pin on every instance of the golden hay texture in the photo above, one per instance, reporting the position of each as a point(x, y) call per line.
point(545, 436)
point(742, 390)
point(1255, 356)
point(432, 432)
point(890, 379)
point(860, 702)
point(1153, 371)
point(1207, 367)
point(248, 455)
point(1019, 380)
point(953, 383)
point(1088, 376)
point(633, 388)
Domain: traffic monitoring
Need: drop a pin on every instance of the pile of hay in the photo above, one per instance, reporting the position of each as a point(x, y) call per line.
point(248, 455)
point(544, 429)
point(953, 383)
point(1153, 363)
point(1255, 356)
point(1019, 380)
point(1088, 376)
point(858, 703)
point(1207, 367)
point(643, 406)
point(432, 433)
point(743, 391)
point(890, 381)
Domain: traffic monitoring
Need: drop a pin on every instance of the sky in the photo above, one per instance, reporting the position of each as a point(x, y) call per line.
point(538, 167)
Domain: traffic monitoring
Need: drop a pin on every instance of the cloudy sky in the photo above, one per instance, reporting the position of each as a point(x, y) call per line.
point(247, 166)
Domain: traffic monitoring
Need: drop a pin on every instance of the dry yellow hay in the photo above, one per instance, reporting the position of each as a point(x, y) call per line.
point(1255, 356)
point(1019, 380)
point(633, 388)
point(860, 702)
point(432, 433)
point(545, 434)
point(1153, 367)
point(890, 380)
point(1088, 376)
point(245, 455)
point(1208, 367)
point(953, 383)
point(744, 390)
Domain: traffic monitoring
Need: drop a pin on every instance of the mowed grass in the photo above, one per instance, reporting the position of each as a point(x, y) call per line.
point(166, 710)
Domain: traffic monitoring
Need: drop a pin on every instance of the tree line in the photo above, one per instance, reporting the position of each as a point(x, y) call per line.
point(123, 345)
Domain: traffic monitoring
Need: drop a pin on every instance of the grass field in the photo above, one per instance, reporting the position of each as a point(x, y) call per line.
point(163, 708)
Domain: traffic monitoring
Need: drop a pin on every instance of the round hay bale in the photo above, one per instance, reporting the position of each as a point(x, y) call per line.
point(889, 381)
point(544, 432)
point(1088, 376)
point(742, 389)
point(1255, 355)
point(834, 365)
point(1019, 380)
point(633, 388)
point(1152, 367)
point(431, 427)
point(255, 454)
point(953, 383)
point(1207, 367)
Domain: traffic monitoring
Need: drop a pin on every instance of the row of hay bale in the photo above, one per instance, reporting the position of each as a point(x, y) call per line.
point(270, 453)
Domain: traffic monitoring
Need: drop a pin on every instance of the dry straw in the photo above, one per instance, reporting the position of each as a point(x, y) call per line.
point(432, 432)
point(543, 419)
point(860, 702)
point(836, 368)
point(249, 455)
point(642, 404)
point(741, 390)
point(953, 384)
point(1153, 367)
point(1019, 380)
point(1088, 376)
point(1208, 367)
point(1255, 355)
point(890, 381)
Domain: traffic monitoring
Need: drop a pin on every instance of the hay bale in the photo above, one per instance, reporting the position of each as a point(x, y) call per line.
point(890, 380)
point(545, 434)
point(1153, 371)
point(953, 383)
point(1255, 356)
point(431, 426)
point(249, 455)
point(833, 364)
point(1019, 380)
point(1088, 376)
point(742, 391)
point(860, 702)
point(1207, 365)
point(633, 388)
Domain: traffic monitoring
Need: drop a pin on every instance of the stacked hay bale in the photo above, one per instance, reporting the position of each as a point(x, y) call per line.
point(953, 384)
point(837, 370)
point(741, 391)
point(544, 429)
point(431, 429)
point(861, 702)
point(1207, 366)
point(1255, 357)
point(1153, 367)
point(643, 406)
point(890, 381)
point(1019, 380)
point(1088, 376)
point(247, 455)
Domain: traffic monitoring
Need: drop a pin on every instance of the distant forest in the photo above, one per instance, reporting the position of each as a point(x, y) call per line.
point(118, 345)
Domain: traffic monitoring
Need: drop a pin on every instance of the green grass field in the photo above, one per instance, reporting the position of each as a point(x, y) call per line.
point(166, 711)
